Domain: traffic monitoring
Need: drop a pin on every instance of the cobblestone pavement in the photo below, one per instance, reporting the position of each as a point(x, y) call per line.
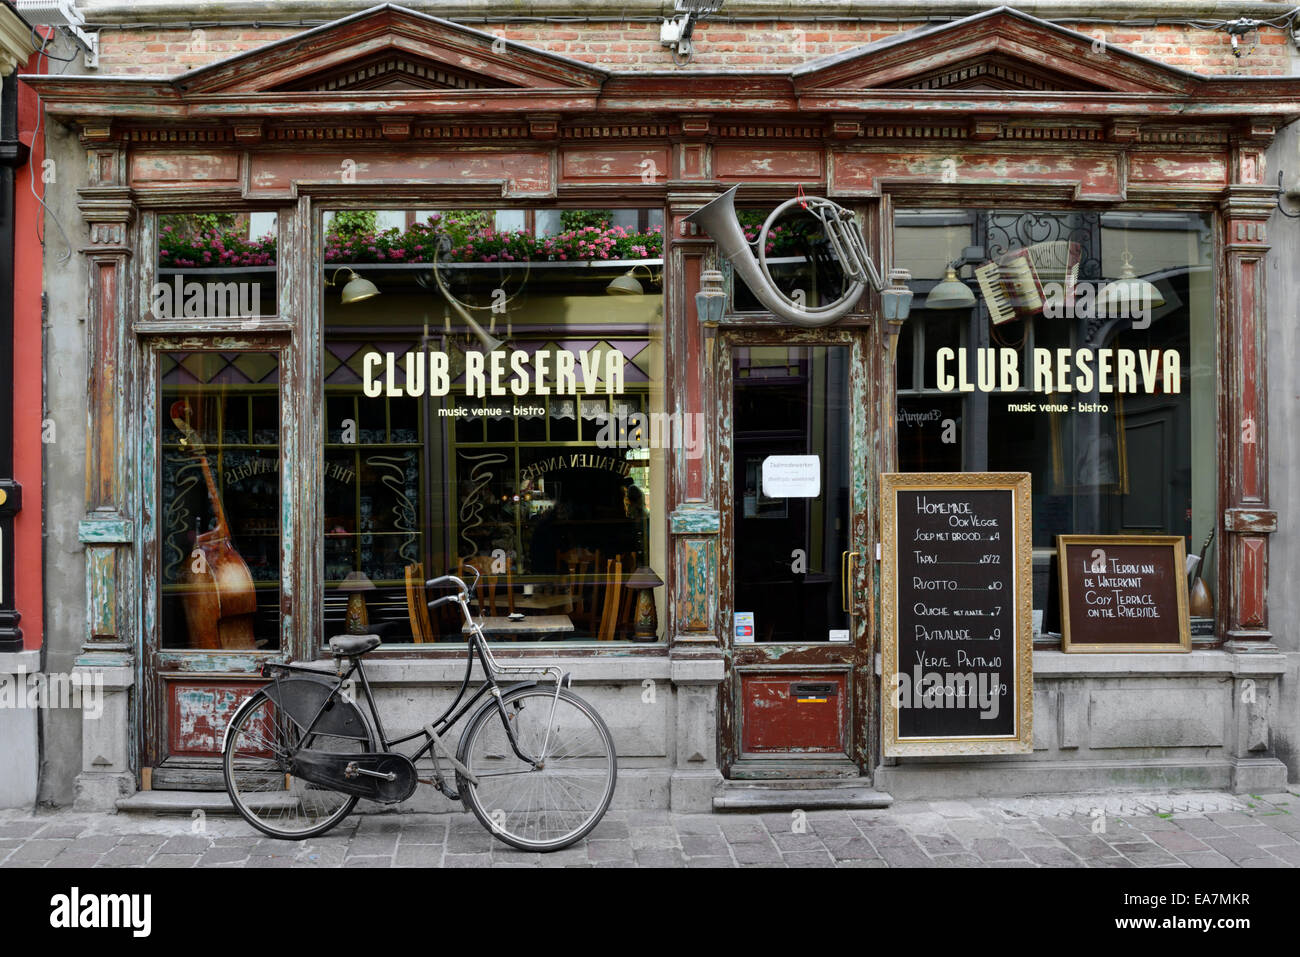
point(1192, 829)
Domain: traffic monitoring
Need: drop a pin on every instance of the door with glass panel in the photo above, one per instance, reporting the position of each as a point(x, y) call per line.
point(214, 578)
point(794, 485)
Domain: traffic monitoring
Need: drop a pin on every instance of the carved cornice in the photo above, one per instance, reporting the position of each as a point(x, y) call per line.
point(109, 212)
point(549, 128)
point(1248, 202)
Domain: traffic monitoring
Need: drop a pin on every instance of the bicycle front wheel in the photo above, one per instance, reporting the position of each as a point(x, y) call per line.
point(555, 799)
point(259, 745)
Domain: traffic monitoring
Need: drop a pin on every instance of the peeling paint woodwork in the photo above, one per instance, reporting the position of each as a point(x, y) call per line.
point(646, 165)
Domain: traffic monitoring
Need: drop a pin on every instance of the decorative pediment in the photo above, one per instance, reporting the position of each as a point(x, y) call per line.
point(995, 72)
point(390, 47)
point(1000, 50)
point(394, 71)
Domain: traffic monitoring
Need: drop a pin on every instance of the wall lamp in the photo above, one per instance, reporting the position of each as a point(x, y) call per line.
point(896, 305)
point(357, 288)
point(710, 301)
point(627, 284)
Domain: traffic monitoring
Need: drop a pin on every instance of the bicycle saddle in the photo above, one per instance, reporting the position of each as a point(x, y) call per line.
point(348, 646)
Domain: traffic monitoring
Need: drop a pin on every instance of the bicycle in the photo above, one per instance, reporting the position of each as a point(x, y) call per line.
point(299, 753)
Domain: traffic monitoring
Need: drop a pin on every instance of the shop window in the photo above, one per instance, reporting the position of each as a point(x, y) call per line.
point(219, 510)
point(215, 265)
point(1123, 449)
point(493, 397)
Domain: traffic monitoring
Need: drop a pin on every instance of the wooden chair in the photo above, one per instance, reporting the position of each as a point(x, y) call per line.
point(577, 564)
point(624, 626)
point(416, 605)
point(486, 593)
point(613, 593)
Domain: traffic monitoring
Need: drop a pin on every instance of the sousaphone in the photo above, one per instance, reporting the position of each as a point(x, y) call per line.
point(842, 232)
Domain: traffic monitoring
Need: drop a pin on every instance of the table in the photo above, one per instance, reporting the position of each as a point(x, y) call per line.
point(538, 626)
point(542, 602)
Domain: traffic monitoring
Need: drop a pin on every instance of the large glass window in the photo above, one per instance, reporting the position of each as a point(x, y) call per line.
point(493, 397)
point(1077, 346)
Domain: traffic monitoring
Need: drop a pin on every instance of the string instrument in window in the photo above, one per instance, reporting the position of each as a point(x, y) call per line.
point(219, 599)
point(1199, 601)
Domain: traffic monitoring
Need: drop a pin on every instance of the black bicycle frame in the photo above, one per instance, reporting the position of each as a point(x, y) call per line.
point(439, 725)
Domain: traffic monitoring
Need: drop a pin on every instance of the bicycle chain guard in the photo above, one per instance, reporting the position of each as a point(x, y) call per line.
point(364, 775)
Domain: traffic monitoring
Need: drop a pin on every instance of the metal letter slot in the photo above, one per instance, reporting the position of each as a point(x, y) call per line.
point(814, 690)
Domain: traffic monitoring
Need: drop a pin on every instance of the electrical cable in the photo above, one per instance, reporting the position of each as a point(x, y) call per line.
point(31, 169)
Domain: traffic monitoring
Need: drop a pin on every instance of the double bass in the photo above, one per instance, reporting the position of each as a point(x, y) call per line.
point(219, 598)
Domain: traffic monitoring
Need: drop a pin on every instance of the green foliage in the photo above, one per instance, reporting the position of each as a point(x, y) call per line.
point(350, 222)
point(573, 219)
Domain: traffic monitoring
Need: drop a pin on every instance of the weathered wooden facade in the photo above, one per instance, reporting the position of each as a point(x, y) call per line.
point(394, 108)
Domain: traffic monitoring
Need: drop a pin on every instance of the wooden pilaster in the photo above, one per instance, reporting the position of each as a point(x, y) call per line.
point(1243, 399)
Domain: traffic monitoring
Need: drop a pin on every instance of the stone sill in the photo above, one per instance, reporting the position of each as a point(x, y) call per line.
point(388, 672)
point(14, 662)
point(1058, 664)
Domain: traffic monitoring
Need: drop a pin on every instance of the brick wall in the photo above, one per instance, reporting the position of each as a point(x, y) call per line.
point(752, 46)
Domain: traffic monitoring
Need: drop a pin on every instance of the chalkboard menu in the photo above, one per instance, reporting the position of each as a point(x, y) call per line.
point(956, 595)
point(1123, 593)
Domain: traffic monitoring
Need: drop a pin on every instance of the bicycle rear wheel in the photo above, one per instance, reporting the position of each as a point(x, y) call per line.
point(555, 803)
point(259, 744)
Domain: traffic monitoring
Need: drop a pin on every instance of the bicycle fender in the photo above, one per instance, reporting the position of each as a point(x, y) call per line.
point(301, 698)
point(489, 703)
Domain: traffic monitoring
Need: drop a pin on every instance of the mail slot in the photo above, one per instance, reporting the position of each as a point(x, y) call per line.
point(813, 691)
point(781, 714)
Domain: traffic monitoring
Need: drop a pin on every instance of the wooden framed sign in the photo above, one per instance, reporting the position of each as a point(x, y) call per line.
point(1123, 593)
point(957, 601)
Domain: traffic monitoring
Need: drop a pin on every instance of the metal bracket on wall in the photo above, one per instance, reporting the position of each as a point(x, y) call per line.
point(1287, 193)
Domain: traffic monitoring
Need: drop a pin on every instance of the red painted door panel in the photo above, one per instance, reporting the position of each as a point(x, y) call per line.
point(802, 714)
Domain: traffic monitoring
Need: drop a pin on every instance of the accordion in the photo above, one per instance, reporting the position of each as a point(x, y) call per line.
point(1013, 285)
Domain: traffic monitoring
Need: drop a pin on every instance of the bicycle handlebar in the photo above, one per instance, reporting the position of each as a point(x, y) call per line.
point(461, 588)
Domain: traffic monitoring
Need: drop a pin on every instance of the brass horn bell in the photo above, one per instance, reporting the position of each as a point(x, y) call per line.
point(719, 220)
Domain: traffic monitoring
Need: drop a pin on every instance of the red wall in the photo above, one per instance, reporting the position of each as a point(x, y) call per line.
point(28, 558)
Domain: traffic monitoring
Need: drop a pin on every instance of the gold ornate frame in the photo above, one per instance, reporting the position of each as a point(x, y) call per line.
point(1017, 484)
point(1179, 547)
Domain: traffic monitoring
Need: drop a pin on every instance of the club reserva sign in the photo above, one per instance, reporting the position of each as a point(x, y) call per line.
point(499, 373)
point(1059, 370)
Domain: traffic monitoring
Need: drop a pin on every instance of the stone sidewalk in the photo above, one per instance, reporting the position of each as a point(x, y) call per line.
point(1191, 829)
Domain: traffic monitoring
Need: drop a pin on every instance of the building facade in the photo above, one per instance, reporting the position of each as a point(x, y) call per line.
point(363, 302)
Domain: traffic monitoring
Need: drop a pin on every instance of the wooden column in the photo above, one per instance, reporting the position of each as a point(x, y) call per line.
point(693, 523)
point(109, 654)
point(697, 665)
point(1243, 400)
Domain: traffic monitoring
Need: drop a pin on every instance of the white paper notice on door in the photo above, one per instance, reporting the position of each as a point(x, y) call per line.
point(792, 476)
point(744, 627)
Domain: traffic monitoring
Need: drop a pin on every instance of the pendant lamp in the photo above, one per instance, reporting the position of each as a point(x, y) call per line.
point(951, 293)
point(1129, 295)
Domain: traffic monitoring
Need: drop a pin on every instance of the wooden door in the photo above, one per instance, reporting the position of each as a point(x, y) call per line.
point(216, 584)
point(795, 481)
